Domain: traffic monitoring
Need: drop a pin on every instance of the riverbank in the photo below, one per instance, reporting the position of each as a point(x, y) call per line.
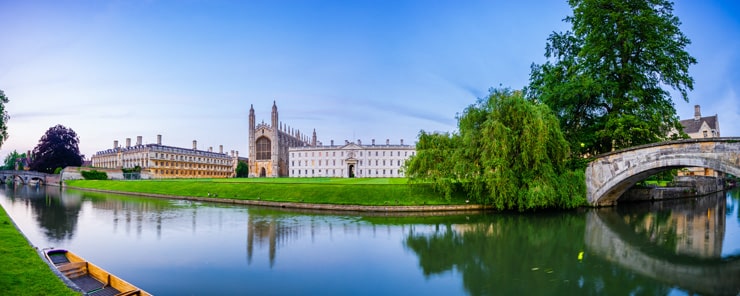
point(370, 194)
point(23, 271)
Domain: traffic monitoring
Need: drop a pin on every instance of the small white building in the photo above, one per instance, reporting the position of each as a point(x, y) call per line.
point(351, 160)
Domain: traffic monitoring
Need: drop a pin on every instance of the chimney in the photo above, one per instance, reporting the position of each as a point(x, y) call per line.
point(346, 142)
point(221, 149)
point(159, 139)
point(387, 142)
point(373, 142)
point(232, 153)
point(195, 145)
point(401, 142)
point(332, 143)
point(210, 149)
point(128, 142)
point(359, 142)
point(138, 140)
point(237, 153)
point(697, 112)
point(115, 144)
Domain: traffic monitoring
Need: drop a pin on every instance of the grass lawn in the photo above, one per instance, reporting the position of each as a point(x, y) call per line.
point(23, 272)
point(340, 191)
point(660, 183)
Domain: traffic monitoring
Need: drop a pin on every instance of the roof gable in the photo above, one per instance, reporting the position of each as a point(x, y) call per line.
point(691, 126)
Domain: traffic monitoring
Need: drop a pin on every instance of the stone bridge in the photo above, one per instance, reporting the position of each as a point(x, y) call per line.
point(24, 177)
point(611, 174)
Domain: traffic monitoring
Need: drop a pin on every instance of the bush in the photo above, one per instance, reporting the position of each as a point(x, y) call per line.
point(94, 175)
point(57, 171)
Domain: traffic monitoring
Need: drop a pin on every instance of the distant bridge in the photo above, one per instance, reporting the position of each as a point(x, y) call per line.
point(611, 174)
point(24, 177)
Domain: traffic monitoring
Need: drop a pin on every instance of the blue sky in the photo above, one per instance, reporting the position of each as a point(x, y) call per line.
point(189, 70)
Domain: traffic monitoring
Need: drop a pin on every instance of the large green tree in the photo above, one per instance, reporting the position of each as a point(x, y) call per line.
point(57, 148)
point(509, 152)
point(609, 80)
point(4, 117)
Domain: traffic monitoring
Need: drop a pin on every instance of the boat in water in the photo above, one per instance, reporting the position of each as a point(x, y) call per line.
point(88, 277)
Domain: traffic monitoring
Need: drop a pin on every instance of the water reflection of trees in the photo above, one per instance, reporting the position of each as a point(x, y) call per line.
point(57, 211)
point(520, 254)
point(58, 220)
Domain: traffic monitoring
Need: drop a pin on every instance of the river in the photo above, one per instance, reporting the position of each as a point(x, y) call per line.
point(175, 247)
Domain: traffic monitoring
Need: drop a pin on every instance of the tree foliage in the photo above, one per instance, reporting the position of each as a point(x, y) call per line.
point(12, 159)
point(607, 79)
point(4, 117)
point(509, 152)
point(242, 170)
point(58, 147)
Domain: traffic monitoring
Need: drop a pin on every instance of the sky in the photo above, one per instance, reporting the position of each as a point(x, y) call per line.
point(190, 69)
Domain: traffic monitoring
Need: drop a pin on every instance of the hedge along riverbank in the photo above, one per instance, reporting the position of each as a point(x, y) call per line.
point(326, 194)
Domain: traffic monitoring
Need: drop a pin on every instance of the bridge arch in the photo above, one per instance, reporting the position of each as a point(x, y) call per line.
point(24, 177)
point(612, 174)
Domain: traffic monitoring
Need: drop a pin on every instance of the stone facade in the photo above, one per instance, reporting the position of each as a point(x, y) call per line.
point(168, 162)
point(269, 144)
point(350, 160)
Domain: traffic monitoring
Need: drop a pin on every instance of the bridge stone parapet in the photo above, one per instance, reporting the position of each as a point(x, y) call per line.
point(609, 175)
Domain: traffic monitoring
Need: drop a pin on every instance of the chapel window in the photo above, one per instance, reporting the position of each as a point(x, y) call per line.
point(263, 148)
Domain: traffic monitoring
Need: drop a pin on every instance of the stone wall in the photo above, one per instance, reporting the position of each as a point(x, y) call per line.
point(681, 187)
point(74, 173)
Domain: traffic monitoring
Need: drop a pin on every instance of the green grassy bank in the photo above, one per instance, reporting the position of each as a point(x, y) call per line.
point(337, 191)
point(23, 272)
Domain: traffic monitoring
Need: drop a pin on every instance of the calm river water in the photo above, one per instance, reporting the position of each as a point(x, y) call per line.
point(171, 247)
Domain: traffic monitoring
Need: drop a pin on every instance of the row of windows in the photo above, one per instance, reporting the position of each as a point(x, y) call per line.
point(334, 162)
point(190, 158)
point(333, 172)
point(190, 165)
point(183, 173)
point(341, 153)
point(142, 157)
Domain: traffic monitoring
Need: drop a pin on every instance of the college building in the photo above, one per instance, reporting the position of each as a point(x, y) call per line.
point(350, 160)
point(277, 150)
point(161, 161)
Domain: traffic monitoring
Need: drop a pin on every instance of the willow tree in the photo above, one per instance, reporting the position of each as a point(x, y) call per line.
point(609, 79)
point(509, 152)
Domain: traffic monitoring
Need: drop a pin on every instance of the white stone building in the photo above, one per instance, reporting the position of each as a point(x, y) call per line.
point(350, 160)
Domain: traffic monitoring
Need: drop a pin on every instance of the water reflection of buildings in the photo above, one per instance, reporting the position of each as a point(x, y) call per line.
point(274, 231)
point(688, 235)
point(695, 228)
point(268, 230)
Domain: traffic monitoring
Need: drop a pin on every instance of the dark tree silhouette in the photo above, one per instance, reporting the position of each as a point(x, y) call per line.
point(58, 148)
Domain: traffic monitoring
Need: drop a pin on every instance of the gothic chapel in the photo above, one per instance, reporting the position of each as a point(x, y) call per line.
point(269, 143)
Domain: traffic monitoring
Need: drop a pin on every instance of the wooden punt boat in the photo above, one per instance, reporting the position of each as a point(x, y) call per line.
point(90, 278)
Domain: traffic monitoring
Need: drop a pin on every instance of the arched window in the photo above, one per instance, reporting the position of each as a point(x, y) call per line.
point(263, 148)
